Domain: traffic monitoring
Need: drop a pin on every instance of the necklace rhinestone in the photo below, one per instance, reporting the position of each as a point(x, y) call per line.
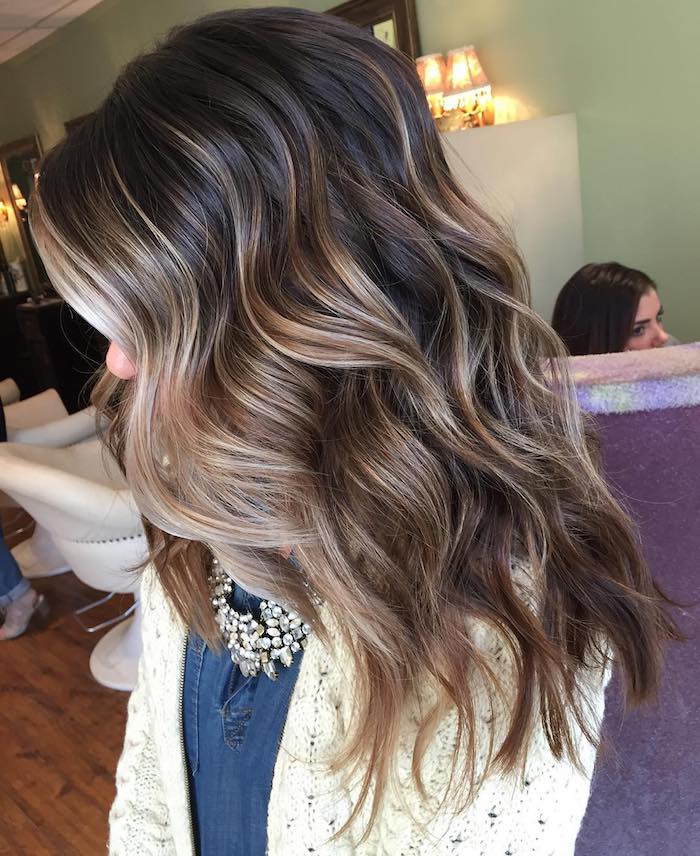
point(256, 644)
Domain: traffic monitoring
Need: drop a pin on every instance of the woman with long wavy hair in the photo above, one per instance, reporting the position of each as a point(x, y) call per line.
point(387, 580)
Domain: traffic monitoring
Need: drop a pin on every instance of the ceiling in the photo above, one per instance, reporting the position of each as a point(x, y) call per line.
point(23, 23)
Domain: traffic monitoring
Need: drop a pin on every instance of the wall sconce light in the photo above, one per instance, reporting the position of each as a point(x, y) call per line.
point(20, 201)
point(4, 212)
point(458, 91)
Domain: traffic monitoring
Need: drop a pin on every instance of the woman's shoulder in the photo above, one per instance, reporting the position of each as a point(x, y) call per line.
point(163, 634)
point(536, 809)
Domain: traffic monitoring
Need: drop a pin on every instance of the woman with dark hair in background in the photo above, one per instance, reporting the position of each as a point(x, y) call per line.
point(387, 578)
point(607, 308)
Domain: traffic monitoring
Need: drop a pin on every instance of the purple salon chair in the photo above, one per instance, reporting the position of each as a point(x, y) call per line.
point(645, 797)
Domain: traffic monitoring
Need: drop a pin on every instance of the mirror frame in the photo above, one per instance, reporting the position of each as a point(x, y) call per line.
point(20, 147)
point(367, 13)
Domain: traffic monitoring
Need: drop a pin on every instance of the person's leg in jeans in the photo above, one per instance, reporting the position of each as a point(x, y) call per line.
point(18, 600)
point(12, 583)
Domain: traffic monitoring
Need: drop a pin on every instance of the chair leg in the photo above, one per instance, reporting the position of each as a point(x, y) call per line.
point(109, 622)
point(38, 556)
point(10, 528)
point(114, 660)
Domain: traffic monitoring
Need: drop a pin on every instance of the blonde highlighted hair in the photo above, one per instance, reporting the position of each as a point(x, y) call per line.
point(335, 352)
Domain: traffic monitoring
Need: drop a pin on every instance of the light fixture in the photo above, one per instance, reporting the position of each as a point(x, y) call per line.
point(464, 70)
point(464, 92)
point(20, 201)
point(432, 72)
point(4, 212)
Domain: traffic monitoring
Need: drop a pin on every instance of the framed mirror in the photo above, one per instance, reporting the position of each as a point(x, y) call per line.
point(391, 21)
point(23, 268)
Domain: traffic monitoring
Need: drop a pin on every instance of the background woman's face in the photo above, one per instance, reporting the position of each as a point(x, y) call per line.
point(648, 330)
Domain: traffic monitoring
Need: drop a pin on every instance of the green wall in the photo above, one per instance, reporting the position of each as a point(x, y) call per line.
point(626, 68)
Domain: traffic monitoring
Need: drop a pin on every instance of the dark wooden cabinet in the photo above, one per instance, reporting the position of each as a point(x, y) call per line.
point(63, 349)
point(15, 361)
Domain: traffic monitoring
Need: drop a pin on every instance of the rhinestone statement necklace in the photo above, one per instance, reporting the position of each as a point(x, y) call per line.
point(256, 644)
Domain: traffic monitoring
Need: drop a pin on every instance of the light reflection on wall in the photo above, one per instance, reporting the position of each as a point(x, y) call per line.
point(511, 109)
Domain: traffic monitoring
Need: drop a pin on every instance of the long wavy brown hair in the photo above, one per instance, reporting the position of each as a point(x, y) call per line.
point(335, 352)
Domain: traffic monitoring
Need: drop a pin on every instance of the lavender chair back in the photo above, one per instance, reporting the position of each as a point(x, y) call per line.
point(646, 788)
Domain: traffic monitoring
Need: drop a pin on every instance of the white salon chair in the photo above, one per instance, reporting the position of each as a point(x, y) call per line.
point(62, 431)
point(36, 410)
point(9, 391)
point(78, 496)
point(43, 420)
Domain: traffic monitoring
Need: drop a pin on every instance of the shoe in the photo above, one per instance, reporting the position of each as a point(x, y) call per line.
point(20, 612)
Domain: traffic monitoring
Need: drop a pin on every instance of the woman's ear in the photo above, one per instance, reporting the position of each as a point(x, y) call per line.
point(118, 363)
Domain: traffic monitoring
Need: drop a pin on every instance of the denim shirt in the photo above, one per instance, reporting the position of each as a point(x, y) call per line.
point(232, 729)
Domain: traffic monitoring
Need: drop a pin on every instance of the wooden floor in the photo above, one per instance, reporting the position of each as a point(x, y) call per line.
point(60, 734)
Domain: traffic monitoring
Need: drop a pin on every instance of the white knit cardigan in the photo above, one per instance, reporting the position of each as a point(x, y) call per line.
point(536, 813)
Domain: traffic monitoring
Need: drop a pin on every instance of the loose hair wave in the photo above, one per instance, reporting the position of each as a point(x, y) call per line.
point(335, 351)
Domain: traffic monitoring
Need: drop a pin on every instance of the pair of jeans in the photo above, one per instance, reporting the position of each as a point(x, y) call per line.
point(232, 728)
point(12, 583)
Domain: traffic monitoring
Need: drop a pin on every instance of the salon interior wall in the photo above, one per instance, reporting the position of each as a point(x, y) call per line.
point(510, 169)
point(625, 68)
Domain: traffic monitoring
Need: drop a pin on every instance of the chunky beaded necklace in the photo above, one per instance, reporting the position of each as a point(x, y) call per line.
point(256, 644)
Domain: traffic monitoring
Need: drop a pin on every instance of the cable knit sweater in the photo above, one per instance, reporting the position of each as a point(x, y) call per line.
point(535, 813)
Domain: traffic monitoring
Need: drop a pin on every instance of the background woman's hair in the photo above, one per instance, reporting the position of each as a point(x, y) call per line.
point(596, 308)
point(335, 351)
